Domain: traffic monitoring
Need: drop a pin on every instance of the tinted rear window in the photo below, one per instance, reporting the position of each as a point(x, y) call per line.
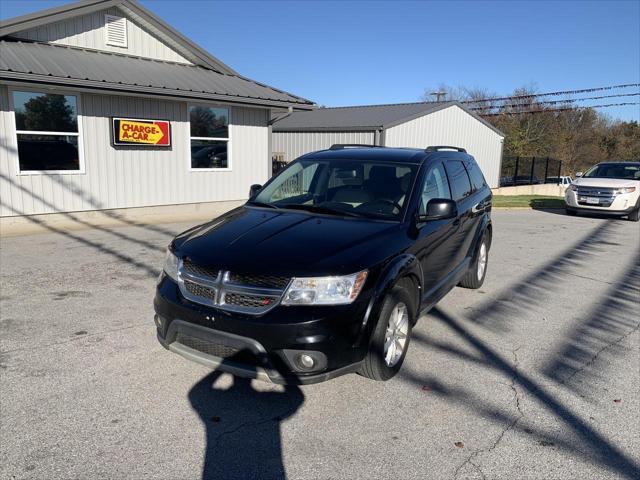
point(477, 179)
point(458, 179)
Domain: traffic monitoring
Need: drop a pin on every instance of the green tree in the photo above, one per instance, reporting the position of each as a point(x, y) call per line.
point(47, 113)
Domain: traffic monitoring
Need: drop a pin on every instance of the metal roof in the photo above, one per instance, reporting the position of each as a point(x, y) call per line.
point(80, 67)
point(364, 117)
point(132, 8)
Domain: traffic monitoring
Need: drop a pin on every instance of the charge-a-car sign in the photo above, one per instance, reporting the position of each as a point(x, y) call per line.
point(135, 131)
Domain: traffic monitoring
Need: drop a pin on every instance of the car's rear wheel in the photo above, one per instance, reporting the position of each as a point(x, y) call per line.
point(474, 278)
point(390, 339)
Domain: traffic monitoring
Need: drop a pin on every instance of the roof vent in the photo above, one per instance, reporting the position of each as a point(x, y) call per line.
point(115, 31)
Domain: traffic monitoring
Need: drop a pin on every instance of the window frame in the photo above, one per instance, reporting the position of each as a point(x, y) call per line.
point(464, 169)
point(468, 166)
point(81, 160)
point(424, 182)
point(229, 166)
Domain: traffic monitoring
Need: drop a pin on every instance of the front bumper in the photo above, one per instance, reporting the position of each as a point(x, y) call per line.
point(621, 204)
point(264, 347)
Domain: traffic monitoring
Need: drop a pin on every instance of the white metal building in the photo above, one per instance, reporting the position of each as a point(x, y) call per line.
point(105, 106)
point(415, 125)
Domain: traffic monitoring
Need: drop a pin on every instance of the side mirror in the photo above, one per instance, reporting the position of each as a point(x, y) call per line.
point(439, 209)
point(254, 189)
point(579, 174)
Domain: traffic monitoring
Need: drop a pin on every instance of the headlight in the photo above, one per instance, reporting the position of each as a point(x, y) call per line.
point(325, 290)
point(573, 187)
point(171, 266)
point(619, 191)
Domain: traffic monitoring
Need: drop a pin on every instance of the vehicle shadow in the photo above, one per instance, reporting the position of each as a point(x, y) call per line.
point(242, 424)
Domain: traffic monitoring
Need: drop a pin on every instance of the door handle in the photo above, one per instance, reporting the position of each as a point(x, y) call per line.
point(478, 207)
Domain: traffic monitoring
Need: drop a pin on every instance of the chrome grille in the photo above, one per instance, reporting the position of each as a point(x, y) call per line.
point(595, 192)
point(200, 290)
point(605, 196)
point(243, 293)
point(196, 269)
point(251, 301)
point(268, 281)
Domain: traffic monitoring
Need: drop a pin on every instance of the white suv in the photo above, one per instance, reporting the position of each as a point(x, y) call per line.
point(612, 188)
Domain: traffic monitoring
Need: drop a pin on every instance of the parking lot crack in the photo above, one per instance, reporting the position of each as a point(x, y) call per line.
point(256, 423)
point(595, 356)
point(471, 459)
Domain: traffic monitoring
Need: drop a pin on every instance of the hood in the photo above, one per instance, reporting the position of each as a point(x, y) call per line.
point(288, 243)
point(605, 182)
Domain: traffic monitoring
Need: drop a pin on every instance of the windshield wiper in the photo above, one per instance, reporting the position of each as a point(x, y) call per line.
point(263, 204)
point(320, 209)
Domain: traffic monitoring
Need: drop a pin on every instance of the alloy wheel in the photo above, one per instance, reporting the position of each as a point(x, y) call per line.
point(395, 338)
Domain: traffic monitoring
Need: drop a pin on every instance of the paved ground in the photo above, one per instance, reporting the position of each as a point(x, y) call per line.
point(536, 375)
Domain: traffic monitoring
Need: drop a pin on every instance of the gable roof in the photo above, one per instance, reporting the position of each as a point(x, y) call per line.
point(64, 65)
point(133, 9)
point(365, 117)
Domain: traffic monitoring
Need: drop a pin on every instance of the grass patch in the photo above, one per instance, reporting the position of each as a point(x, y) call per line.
point(532, 201)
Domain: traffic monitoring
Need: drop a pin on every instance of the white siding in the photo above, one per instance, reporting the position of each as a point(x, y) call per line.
point(133, 176)
point(295, 144)
point(89, 31)
point(452, 126)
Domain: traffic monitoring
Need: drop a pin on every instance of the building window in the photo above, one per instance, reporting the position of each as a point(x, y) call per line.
point(47, 131)
point(209, 138)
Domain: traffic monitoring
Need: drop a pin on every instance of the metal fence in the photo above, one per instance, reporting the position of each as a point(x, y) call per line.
point(529, 171)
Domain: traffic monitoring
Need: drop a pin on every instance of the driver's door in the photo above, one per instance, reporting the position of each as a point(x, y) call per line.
point(434, 247)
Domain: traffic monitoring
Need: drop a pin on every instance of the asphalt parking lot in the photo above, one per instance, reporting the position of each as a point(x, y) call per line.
point(536, 375)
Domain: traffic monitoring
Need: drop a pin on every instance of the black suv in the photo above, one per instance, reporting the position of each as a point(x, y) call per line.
point(326, 268)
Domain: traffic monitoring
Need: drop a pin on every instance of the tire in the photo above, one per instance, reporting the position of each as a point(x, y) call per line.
point(474, 278)
point(635, 215)
point(571, 212)
point(375, 365)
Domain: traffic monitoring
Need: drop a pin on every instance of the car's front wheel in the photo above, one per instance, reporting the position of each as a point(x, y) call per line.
point(390, 339)
point(634, 216)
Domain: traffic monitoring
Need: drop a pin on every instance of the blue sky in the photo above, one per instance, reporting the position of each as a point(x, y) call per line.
point(363, 52)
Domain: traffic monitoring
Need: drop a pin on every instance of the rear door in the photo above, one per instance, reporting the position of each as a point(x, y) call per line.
point(462, 193)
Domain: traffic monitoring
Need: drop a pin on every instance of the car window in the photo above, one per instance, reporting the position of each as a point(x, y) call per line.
point(357, 187)
point(435, 185)
point(621, 171)
point(475, 174)
point(458, 179)
point(296, 184)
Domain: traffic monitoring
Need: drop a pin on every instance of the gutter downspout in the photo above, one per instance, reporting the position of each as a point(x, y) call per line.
point(281, 117)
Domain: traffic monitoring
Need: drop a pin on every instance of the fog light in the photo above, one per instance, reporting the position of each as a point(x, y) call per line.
point(159, 321)
point(306, 361)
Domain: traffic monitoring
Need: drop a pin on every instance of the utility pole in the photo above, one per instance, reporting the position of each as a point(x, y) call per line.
point(440, 95)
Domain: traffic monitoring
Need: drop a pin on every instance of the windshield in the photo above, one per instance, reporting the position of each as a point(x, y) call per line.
point(341, 187)
point(622, 171)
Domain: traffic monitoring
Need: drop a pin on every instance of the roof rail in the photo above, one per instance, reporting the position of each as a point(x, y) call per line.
point(340, 146)
point(444, 147)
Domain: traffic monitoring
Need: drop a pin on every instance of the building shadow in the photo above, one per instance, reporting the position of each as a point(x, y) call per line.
point(242, 425)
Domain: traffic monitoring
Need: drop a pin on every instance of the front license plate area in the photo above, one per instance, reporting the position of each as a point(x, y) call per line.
point(593, 201)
